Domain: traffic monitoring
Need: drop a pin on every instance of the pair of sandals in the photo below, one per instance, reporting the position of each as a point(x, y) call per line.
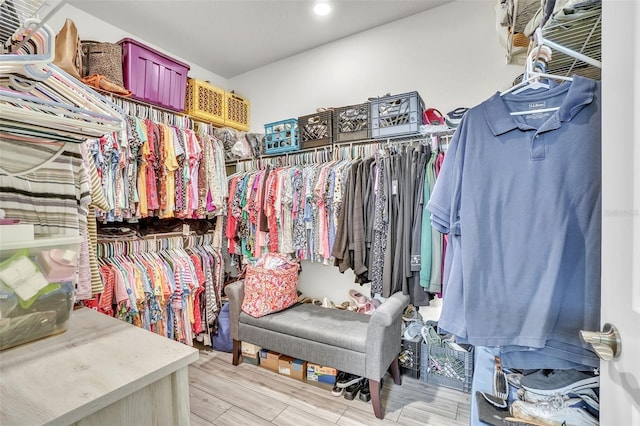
point(350, 386)
point(325, 303)
point(363, 304)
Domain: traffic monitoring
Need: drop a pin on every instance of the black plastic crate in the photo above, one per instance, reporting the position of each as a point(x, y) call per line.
point(351, 123)
point(316, 129)
point(396, 115)
point(410, 372)
point(409, 354)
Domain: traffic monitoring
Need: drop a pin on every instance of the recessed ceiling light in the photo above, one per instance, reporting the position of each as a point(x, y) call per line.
point(322, 8)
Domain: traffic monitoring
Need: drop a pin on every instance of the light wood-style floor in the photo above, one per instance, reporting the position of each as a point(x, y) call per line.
point(221, 394)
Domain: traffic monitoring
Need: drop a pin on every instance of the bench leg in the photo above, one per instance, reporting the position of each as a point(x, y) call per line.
point(395, 371)
point(237, 350)
point(374, 388)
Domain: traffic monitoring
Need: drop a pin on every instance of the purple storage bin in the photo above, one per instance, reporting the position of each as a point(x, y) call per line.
point(153, 76)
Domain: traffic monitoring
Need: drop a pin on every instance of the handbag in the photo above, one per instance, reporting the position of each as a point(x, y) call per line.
point(222, 340)
point(68, 56)
point(104, 59)
point(269, 289)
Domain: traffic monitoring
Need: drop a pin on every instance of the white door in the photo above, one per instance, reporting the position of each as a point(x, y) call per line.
point(620, 378)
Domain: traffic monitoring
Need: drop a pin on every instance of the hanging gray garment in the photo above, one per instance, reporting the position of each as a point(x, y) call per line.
point(409, 184)
point(397, 222)
point(358, 226)
point(340, 246)
point(370, 202)
point(418, 204)
point(367, 215)
point(418, 295)
point(353, 169)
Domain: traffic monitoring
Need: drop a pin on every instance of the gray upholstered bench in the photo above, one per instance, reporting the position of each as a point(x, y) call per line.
point(364, 345)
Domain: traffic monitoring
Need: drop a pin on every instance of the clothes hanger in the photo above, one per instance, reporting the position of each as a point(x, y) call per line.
point(532, 78)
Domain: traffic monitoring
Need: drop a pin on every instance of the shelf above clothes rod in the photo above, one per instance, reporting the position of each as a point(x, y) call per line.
point(576, 36)
point(280, 159)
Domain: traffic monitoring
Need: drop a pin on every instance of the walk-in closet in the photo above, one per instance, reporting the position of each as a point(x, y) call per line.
point(312, 212)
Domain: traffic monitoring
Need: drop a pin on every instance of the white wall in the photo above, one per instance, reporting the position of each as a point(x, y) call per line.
point(451, 55)
point(93, 28)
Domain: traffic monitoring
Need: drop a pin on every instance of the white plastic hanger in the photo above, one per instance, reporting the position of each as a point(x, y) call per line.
point(36, 95)
point(534, 79)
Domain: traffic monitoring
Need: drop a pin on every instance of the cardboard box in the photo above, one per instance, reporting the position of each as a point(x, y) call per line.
point(269, 359)
point(250, 360)
point(250, 350)
point(295, 368)
point(322, 374)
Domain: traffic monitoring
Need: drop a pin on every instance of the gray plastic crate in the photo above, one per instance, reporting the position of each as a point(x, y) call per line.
point(447, 367)
point(396, 115)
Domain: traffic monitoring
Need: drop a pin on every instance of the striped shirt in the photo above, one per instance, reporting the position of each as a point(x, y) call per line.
point(45, 184)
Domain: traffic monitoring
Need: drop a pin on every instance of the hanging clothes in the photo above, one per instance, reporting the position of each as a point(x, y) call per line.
point(523, 254)
point(162, 285)
point(156, 169)
point(339, 212)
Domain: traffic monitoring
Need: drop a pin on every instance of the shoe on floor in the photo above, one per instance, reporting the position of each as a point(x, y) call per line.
point(351, 391)
point(365, 392)
point(347, 380)
point(545, 382)
point(340, 378)
point(571, 412)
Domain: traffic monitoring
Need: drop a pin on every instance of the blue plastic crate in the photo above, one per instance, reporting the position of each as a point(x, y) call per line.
point(281, 136)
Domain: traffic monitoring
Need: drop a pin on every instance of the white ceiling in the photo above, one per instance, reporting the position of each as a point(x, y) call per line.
point(231, 37)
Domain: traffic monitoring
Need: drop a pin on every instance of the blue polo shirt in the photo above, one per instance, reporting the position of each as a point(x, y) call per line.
point(519, 196)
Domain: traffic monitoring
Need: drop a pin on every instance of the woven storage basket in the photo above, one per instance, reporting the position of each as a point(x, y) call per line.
point(104, 59)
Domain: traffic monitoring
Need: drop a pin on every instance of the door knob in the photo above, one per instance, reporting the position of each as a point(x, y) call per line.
point(605, 343)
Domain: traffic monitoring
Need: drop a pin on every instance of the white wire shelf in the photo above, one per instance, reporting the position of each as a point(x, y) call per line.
point(581, 34)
